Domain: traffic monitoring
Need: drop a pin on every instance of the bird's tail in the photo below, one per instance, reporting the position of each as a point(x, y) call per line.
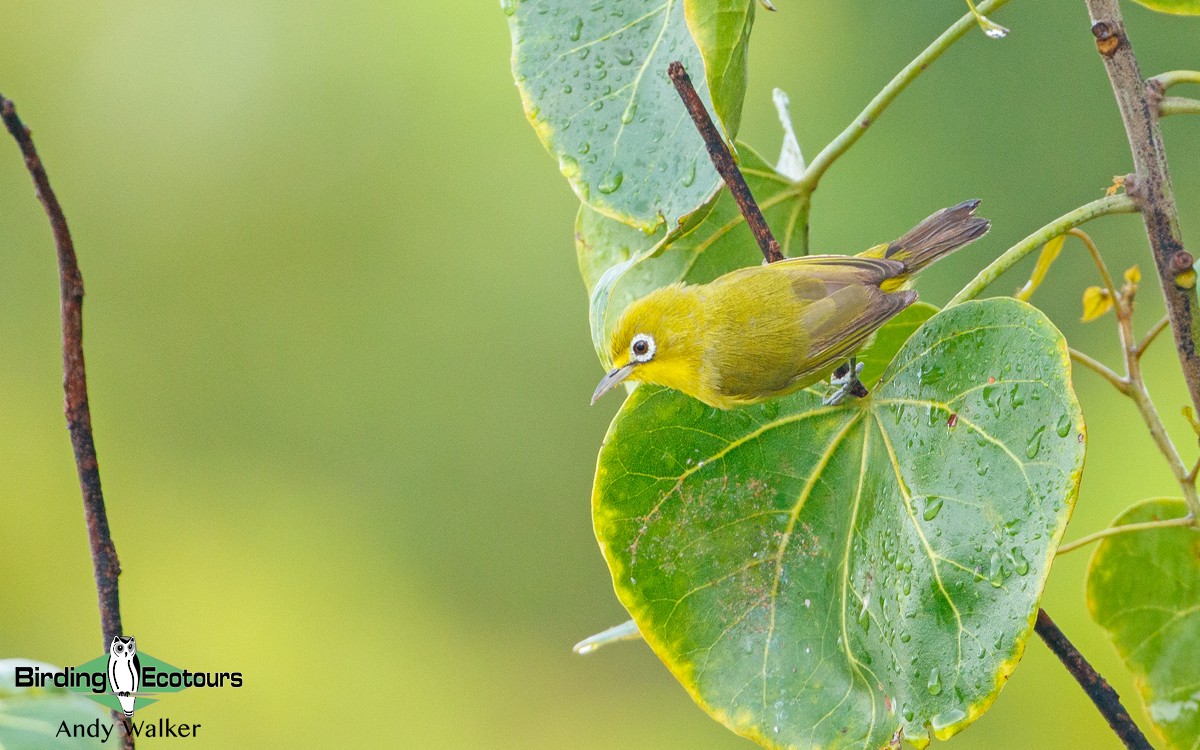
point(935, 238)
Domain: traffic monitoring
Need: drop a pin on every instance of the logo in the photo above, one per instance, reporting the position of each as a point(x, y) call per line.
point(124, 672)
point(125, 680)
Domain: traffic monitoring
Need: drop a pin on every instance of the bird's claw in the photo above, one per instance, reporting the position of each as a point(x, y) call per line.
point(847, 382)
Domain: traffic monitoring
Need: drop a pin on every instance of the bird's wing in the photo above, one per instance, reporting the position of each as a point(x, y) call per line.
point(842, 306)
point(831, 271)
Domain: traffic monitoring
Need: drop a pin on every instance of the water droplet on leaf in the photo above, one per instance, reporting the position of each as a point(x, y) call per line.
point(933, 506)
point(1064, 425)
point(611, 182)
point(1035, 442)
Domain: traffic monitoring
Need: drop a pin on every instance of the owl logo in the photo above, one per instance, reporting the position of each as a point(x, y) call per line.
point(124, 671)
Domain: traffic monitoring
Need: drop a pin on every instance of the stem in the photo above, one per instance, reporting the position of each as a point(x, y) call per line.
point(1096, 687)
point(1118, 382)
point(1152, 188)
point(79, 419)
point(1145, 406)
point(1101, 266)
point(807, 183)
point(907, 75)
point(1152, 334)
point(1113, 204)
point(626, 631)
point(1171, 78)
point(1127, 528)
point(718, 151)
point(1178, 105)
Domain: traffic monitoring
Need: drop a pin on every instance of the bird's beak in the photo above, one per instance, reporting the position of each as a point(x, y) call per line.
point(612, 380)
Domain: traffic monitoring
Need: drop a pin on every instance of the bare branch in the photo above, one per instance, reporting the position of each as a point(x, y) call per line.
point(723, 161)
point(1096, 687)
point(79, 419)
point(1152, 187)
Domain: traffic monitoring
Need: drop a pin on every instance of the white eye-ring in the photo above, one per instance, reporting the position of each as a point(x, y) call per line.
point(641, 349)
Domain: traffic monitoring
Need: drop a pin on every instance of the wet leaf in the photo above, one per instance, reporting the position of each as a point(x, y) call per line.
point(1176, 7)
point(621, 264)
point(825, 576)
point(1096, 302)
point(593, 79)
point(1156, 628)
point(30, 717)
point(721, 29)
point(1045, 259)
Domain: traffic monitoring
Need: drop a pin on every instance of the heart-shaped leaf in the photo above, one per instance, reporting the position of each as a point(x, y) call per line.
point(721, 29)
point(593, 79)
point(830, 576)
point(1144, 589)
point(621, 264)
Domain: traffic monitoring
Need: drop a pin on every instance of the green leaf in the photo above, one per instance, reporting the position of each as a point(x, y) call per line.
point(31, 717)
point(621, 264)
point(593, 79)
point(827, 576)
point(721, 29)
point(1143, 587)
point(1177, 7)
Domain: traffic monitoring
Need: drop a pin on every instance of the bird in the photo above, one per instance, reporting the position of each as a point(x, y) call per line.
point(124, 671)
point(761, 332)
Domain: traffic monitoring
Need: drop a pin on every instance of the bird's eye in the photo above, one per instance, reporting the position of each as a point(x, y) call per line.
point(642, 347)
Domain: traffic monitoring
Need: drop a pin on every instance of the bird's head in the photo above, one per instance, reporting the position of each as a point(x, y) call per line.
point(659, 339)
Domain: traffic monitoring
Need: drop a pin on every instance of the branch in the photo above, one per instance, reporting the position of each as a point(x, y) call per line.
point(1152, 334)
point(1152, 188)
point(1113, 204)
point(1096, 687)
point(79, 418)
point(1164, 81)
point(1083, 541)
point(1118, 382)
point(723, 161)
point(1178, 105)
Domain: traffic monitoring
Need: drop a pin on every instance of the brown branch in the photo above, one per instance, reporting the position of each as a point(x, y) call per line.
point(723, 161)
point(1096, 687)
point(79, 418)
point(1151, 188)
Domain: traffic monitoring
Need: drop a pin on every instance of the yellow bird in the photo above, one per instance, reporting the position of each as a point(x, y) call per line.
point(761, 332)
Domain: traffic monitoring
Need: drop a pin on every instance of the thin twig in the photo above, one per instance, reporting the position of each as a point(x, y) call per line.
point(1152, 334)
point(1083, 541)
point(1164, 81)
point(1152, 186)
point(723, 161)
point(1096, 687)
point(79, 419)
point(1118, 382)
point(1101, 266)
point(1178, 105)
point(1113, 204)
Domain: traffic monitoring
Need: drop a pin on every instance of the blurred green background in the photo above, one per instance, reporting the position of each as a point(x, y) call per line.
point(339, 360)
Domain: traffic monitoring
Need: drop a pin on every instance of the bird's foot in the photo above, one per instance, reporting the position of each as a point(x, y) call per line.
point(845, 378)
